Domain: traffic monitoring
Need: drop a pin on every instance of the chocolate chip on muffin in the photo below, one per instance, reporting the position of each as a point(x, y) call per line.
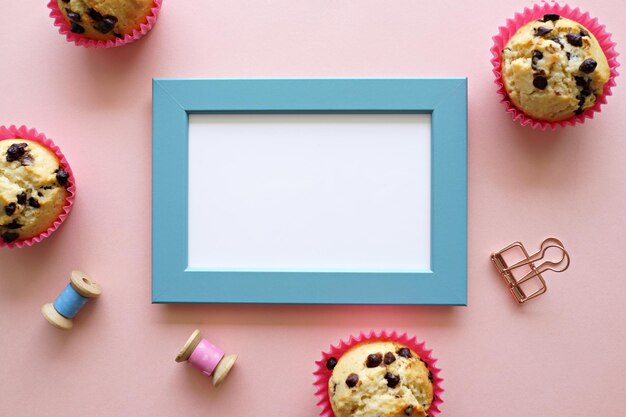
point(540, 82)
point(9, 237)
point(557, 40)
point(94, 14)
point(33, 203)
point(13, 225)
point(10, 208)
point(405, 352)
point(389, 358)
point(373, 360)
point(551, 17)
point(588, 66)
point(352, 380)
point(542, 30)
point(17, 152)
point(62, 177)
point(103, 24)
point(574, 39)
point(392, 380)
point(74, 17)
point(76, 28)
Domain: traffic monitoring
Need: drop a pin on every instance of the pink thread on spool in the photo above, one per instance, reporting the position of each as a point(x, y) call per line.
point(206, 357)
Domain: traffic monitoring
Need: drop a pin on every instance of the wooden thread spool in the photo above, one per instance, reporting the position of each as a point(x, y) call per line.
point(75, 295)
point(206, 357)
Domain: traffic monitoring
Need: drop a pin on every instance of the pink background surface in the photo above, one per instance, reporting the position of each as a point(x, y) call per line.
point(559, 355)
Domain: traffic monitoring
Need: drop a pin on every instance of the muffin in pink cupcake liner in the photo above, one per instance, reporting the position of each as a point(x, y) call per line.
point(64, 28)
point(322, 374)
point(537, 12)
point(23, 132)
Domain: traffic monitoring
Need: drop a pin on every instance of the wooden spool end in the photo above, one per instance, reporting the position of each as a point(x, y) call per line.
point(223, 368)
point(54, 318)
point(84, 285)
point(189, 346)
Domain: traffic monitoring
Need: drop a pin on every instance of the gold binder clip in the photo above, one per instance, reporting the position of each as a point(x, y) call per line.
point(531, 273)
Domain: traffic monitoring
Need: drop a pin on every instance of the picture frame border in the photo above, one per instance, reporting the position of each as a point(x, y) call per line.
point(445, 99)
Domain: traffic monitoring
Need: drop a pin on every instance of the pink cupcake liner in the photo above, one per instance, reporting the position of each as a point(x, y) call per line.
point(322, 374)
point(23, 132)
point(81, 40)
point(528, 15)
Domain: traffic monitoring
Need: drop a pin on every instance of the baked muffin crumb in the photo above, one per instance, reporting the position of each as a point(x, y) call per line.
point(33, 189)
point(554, 68)
point(380, 379)
point(105, 19)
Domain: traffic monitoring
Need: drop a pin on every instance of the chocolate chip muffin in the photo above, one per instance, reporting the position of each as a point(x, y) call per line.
point(105, 19)
point(33, 189)
point(380, 379)
point(553, 68)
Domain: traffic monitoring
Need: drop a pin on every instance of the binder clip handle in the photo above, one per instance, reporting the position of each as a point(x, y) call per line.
point(553, 265)
point(559, 265)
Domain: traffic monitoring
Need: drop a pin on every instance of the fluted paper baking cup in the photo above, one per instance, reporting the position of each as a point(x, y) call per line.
point(82, 40)
point(537, 11)
point(23, 132)
point(322, 374)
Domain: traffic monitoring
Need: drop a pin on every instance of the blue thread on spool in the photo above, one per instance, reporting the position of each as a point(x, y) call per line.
point(69, 302)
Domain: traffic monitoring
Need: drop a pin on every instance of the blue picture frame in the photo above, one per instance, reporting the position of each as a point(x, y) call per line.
point(444, 98)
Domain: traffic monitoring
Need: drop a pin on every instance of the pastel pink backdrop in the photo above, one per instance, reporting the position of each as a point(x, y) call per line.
point(562, 354)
